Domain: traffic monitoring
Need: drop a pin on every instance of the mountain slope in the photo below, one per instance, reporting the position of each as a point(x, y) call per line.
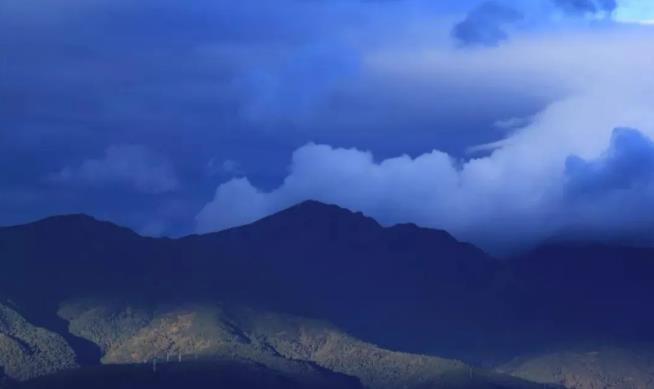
point(66, 256)
point(586, 291)
point(197, 375)
point(588, 368)
point(401, 287)
point(324, 261)
point(376, 367)
point(312, 259)
point(292, 346)
point(27, 351)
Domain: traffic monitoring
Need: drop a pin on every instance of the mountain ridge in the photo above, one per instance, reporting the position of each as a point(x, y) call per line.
point(313, 206)
point(402, 287)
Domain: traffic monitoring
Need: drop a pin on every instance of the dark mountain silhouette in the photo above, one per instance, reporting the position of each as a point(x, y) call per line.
point(322, 260)
point(404, 287)
point(586, 290)
point(312, 259)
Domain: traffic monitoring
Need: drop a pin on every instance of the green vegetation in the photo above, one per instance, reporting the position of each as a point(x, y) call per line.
point(584, 368)
point(196, 375)
point(292, 346)
point(27, 351)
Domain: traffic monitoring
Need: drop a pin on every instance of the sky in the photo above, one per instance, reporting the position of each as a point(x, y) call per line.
point(507, 123)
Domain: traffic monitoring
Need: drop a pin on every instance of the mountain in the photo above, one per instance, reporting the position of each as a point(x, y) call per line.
point(312, 259)
point(293, 346)
point(49, 260)
point(324, 261)
point(197, 375)
point(586, 291)
point(588, 367)
point(208, 345)
point(27, 351)
point(403, 287)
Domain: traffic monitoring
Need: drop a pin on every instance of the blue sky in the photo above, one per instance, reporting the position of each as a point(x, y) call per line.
point(635, 11)
point(175, 118)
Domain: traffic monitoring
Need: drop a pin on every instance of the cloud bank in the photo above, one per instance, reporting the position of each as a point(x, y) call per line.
point(570, 169)
point(245, 90)
point(476, 201)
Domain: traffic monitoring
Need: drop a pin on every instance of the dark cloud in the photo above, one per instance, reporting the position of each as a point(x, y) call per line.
point(485, 24)
point(221, 80)
point(628, 164)
point(299, 87)
point(611, 197)
point(223, 89)
point(586, 6)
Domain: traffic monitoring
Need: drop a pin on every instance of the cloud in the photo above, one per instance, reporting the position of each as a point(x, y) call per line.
point(252, 82)
point(587, 6)
point(564, 169)
point(363, 183)
point(249, 205)
point(512, 123)
point(245, 81)
point(293, 91)
point(611, 196)
point(484, 25)
point(581, 197)
point(628, 164)
point(131, 165)
point(227, 167)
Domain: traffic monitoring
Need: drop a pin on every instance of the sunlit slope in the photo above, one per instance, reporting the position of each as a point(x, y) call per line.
point(28, 351)
point(295, 346)
point(588, 368)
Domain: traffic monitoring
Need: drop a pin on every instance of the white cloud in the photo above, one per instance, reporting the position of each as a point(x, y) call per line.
point(236, 202)
point(515, 194)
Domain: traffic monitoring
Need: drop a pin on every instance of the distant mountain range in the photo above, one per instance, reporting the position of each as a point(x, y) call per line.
point(403, 287)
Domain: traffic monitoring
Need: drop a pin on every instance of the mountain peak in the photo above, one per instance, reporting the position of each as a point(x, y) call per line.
point(315, 207)
point(71, 224)
point(63, 220)
point(316, 212)
point(69, 218)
